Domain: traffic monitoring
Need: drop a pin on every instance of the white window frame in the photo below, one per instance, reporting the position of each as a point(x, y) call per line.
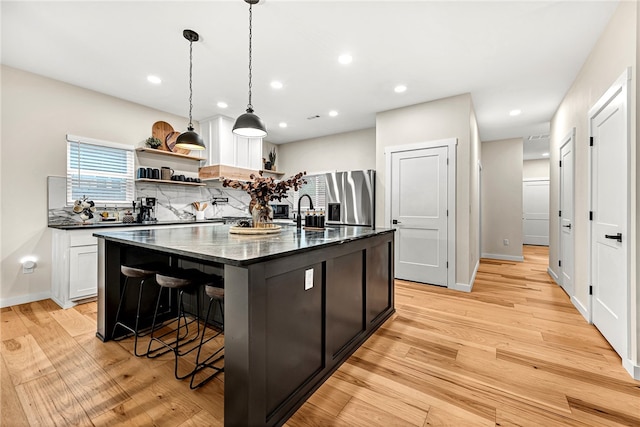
point(128, 175)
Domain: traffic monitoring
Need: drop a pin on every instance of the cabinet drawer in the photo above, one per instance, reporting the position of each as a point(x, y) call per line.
point(83, 238)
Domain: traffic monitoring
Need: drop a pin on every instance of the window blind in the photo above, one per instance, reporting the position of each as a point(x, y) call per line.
point(315, 188)
point(100, 170)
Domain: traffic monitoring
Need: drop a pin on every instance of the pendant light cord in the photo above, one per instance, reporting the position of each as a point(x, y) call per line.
point(249, 106)
point(190, 82)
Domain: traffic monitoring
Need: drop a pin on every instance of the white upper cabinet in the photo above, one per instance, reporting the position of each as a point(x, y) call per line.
point(226, 148)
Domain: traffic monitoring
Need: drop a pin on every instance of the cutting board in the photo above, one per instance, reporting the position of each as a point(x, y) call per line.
point(171, 143)
point(160, 130)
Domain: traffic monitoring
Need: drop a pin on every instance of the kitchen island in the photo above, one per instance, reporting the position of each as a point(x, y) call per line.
point(297, 303)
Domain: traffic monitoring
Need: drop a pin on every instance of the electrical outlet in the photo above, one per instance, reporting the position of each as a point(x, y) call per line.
point(505, 242)
point(308, 279)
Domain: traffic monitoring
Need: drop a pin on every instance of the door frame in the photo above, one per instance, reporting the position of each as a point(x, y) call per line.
point(450, 144)
point(620, 85)
point(570, 139)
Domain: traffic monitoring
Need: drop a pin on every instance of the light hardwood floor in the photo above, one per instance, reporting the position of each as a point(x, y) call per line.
point(512, 352)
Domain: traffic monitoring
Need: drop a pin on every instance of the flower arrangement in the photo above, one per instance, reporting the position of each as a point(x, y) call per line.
point(85, 208)
point(264, 190)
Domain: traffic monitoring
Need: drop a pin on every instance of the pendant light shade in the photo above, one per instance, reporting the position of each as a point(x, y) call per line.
point(190, 140)
point(248, 124)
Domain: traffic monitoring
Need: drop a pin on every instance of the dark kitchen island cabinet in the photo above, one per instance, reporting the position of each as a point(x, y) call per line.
point(297, 303)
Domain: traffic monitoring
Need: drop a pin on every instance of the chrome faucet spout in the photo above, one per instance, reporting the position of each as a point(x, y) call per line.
point(298, 218)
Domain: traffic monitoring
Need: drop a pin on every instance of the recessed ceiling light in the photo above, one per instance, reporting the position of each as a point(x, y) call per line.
point(333, 113)
point(545, 154)
point(514, 113)
point(345, 59)
point(282, 124)
point(222, 104)
point(276, 84)
point(400, 89)
point(154, 79)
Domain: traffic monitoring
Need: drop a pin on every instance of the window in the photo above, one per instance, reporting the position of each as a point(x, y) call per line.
point(315, 188)
point(100, 170)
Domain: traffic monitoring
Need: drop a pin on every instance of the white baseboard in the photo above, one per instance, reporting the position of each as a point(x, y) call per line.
point(24, 299)
point(581, 308)
point(62, 305)
point(464, 287)
point(631, 368)
point(504, 257)
point(553, 275)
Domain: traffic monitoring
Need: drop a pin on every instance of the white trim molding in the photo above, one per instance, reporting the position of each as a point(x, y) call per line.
point(503, 257)
point(24, 299)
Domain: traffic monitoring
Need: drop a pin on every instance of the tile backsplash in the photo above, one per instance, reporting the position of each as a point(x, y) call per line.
point(173, 202)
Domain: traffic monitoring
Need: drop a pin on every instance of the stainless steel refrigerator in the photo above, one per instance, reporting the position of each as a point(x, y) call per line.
point(350, 197)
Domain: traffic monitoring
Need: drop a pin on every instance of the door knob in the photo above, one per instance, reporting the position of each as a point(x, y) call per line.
point(395, 221)
point(567, 226)
point(617, 237)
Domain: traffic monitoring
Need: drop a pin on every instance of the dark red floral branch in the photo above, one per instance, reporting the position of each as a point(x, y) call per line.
point(265, 189)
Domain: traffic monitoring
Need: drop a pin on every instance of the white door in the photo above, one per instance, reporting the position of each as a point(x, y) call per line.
point(535, 212)
point(419, 212)
point(566, 216)
point(609, 234)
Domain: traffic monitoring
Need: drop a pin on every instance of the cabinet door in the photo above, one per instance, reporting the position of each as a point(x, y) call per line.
point(83, 274)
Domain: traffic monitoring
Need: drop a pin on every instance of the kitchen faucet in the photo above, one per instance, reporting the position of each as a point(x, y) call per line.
point(299, 218)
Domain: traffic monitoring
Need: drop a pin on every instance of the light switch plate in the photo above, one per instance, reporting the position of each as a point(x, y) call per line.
point(308, 279)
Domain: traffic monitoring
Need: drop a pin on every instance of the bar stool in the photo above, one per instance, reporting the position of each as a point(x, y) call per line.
point(182, 281)
point(142, 272)
point(215, 294)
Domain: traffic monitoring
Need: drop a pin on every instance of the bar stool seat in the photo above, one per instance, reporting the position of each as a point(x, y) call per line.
point(143, 272)
point(182, 280)
point(215, 294)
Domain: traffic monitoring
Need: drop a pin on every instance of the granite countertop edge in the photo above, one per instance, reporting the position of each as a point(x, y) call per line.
point(240, 262)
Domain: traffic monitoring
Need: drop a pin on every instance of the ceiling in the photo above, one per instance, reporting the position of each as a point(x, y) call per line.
point(508, 55)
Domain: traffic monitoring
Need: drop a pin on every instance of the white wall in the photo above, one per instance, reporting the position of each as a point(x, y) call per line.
point(37, 113)
point(344, 151)
point(616, 49)
point(441, 119)
point(535, 169)
point(502, 199)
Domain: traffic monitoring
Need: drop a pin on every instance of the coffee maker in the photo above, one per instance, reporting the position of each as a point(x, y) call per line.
point(147, 207)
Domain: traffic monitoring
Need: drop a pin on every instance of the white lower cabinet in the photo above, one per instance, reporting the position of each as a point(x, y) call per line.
point(74, 254)
point(75, 266)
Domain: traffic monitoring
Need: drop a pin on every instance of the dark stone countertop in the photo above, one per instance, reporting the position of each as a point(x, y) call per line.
point(218, 245)
point(118, 224)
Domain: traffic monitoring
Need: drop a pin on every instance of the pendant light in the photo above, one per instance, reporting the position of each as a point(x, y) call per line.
point(189, 139)
point(248, 124)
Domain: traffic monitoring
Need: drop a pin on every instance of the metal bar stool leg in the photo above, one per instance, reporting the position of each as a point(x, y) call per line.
point(215, 294)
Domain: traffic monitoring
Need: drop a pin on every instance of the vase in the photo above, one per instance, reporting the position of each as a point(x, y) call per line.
point(262, 215)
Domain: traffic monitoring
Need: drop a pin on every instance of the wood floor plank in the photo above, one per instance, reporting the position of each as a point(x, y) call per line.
point(125, 414)
point(49, 402)
point(439, 417)
point(358, 413)
point(10, 325)
point(92, 387)
point(25, 359)
point(11, 412)
point(74, 322)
